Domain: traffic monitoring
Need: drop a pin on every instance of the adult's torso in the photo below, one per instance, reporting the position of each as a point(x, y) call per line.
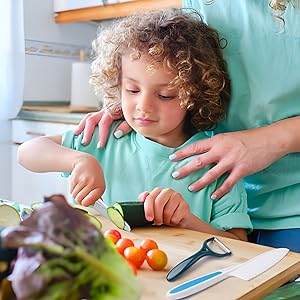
point(263, 57)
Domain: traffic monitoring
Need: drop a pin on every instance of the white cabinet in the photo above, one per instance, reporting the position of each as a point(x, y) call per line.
point(29, 187)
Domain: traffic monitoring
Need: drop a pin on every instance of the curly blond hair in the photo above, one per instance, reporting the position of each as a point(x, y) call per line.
point(182, 42)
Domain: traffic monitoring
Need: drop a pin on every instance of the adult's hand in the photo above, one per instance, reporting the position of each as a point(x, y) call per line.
point(103, 120)
point(238, 153)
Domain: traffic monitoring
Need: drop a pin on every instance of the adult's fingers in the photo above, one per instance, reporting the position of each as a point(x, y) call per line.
point(193, 149)
point(194, 165)
point(104, 128)
point(122, 130)
point(210, 176)
point(91, 122)
point(229, 182)
point(80, 127)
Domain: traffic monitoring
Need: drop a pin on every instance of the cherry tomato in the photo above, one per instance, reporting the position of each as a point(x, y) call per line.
point(132, 266)
point(156, 259)
point(134, 255)
point(123, 243)
point(113, 234)
point(148, 244)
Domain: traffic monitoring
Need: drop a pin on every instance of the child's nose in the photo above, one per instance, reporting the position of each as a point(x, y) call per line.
point(144, 103)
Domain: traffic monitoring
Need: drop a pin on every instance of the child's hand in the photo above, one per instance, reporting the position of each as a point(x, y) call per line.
point(165, 206)
point(87, 182)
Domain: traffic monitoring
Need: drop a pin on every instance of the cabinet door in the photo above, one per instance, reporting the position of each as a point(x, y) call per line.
point(29, 187)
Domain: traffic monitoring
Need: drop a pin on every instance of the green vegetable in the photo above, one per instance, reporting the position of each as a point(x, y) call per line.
point(131, 211)
point(63, 256)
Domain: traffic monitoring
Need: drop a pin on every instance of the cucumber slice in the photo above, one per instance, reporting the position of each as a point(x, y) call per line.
point(119, 208)
point(9, 216)
point(36, 205)
point(133, 213)
point(94, 221)
point(116, 217)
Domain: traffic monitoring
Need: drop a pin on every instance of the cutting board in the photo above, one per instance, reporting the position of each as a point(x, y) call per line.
point(62, 109)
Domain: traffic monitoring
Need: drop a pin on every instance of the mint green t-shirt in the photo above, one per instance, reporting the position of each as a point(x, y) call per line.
point(263, 57)
point(135, 164)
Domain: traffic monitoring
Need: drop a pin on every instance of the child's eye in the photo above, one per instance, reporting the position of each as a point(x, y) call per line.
point(162, 97)
point(133, 92)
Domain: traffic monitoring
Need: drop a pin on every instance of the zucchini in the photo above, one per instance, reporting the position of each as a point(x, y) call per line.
point(94, 221)
point(131, 211)
point(116, 217)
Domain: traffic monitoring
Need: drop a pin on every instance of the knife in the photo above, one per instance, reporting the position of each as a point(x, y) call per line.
point(101, 207)
point(245, 271)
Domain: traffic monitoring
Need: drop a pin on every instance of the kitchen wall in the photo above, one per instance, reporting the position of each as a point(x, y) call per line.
point(50, 51)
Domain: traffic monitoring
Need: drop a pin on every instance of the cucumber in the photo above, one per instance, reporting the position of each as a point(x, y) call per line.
point(119, 208)
point(91, 218)
point(131, 211)
point(116, 217)
point(9, 216)
point(94, 221)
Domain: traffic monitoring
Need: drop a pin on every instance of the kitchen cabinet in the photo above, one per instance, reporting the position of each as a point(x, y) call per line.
point(113, 10)
point(29, 187)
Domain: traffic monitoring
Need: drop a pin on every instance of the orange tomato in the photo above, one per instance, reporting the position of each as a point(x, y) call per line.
point(134, 255)
point(148, 244)
point(133, 267)
point(156, 259)
point(123, 243)
point(113, 235)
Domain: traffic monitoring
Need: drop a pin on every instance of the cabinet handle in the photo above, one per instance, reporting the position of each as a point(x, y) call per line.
point(35, 133)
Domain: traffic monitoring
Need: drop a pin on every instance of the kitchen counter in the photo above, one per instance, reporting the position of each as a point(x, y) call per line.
point(48, 116)
point(57, 113)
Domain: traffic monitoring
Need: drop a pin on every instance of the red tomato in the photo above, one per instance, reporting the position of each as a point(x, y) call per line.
point(113, 234)
point(156, 259)
point(148, 244)
point(123, 243)
point(135, 255)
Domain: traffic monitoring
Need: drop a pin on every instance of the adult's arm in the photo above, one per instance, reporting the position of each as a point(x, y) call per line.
point(239, 153)
point(103, 120)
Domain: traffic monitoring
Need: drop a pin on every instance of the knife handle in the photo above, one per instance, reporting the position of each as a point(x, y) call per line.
point(196, 285)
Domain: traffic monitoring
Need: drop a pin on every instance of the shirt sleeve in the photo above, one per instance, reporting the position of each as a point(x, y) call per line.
point(231, 210)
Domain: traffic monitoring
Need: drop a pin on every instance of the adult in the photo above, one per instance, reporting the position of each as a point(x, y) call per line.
point(260, 138)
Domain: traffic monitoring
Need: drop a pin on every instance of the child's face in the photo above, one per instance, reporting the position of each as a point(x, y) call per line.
point(149, 106)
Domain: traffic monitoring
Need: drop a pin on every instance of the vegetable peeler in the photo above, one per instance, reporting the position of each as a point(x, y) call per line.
point(210, 247)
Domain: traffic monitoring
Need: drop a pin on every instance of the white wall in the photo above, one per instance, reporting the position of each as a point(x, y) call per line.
point(50, 50)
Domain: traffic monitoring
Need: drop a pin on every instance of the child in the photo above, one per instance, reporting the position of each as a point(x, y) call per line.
point(165, 71)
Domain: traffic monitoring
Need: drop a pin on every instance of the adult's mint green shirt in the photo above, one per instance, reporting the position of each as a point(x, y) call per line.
point(134, 164)
point(263, 57)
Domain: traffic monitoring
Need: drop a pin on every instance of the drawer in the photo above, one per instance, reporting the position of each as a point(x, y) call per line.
point(25, 130)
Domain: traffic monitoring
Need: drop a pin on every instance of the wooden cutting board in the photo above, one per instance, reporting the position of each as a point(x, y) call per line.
point(62, 109)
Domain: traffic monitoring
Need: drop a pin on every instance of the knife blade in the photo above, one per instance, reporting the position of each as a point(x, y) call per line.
point(101, 207)
point(245, 271)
